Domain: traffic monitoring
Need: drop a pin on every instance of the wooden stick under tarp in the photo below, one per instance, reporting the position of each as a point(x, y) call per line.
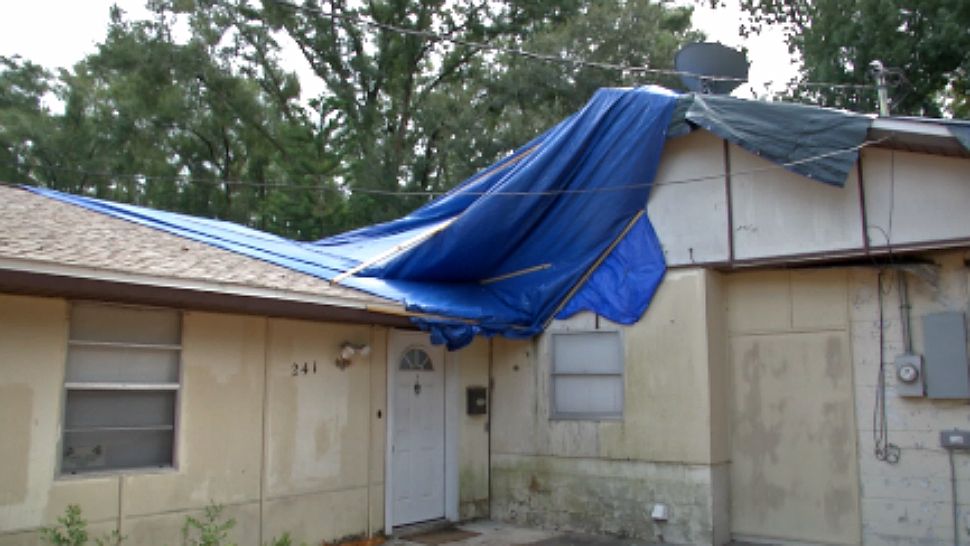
point(592, 268)
point(396, 249)
point(401, 247)
point(518, 273)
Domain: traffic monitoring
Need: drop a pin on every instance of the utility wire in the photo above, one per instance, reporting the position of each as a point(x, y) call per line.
point(500, 49)
point(554, 59)
point(833, 85)
point(423, 193)
point(883, 449)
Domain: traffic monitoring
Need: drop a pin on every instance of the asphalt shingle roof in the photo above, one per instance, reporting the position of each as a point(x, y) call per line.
point(36, 228)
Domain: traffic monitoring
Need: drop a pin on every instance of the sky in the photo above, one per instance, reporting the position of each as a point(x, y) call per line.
point(58, 33)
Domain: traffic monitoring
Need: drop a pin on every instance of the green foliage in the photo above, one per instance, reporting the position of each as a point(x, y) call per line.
point(170, 125)
point(524, 98)
point(71, 530)
point(212, 125)
point(837, 39)
point(114, 538)
point(24, 121)
point(210, 530)
point(284, 540)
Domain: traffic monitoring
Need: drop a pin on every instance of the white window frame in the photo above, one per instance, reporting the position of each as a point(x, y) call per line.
point(554, 413)
point(97, 386)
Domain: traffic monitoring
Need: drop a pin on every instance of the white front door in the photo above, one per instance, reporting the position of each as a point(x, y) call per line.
point(418, 420)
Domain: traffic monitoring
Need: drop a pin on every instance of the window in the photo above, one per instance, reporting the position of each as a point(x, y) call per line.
point(587, 375)
point(121, 388)
point(416, 359)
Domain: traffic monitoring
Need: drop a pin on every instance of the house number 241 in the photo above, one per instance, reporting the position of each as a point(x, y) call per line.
point(305, 369)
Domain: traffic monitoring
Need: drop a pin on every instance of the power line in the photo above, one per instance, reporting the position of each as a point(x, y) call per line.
point(427, 193)
point(833, 85)
point(555, 59)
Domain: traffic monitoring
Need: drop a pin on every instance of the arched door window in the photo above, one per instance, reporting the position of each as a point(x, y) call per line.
point(417, 359)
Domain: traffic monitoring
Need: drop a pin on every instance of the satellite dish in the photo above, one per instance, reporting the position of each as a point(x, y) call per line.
point(714, 60)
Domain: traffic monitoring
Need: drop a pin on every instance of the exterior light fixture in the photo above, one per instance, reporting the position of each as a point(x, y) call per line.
point(348, 351)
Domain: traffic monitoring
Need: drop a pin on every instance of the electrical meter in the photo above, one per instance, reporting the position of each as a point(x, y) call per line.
point(909, 375)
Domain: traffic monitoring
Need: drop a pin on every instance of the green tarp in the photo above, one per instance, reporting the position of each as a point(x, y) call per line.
point(820, 143)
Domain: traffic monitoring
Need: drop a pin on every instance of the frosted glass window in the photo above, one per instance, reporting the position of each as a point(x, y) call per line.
point(124, 324)
point(122, 385)
point(115, 364)
point(587, 375)
point(416, 359)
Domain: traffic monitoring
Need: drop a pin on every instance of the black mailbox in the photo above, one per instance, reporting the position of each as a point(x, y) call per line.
point(477, 400)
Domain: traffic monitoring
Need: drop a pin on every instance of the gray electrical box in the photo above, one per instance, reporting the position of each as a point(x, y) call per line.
point(945, 366)
point(909, 375)
point(955, 439)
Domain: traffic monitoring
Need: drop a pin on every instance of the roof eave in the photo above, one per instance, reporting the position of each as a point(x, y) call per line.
point(916, 136)
point(76, 282)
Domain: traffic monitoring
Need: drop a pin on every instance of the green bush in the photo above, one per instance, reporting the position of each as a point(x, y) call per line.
point(208, 531)
point(72, 530)
point(284, 540)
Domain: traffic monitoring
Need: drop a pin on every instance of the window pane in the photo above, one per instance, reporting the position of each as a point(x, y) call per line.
point(588, 352)
point(110, 450)
point(112, 429)
point(93, 322)
point(416, 359)
point(592, 396)
point(87, 409)
point(121, 365)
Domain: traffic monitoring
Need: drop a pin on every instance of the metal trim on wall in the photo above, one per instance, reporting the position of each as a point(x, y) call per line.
point(831, 256)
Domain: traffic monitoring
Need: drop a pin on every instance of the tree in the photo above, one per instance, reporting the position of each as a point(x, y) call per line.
point(150, 121)
point(837, 39)
point(419, 94)
point(382, 69)
point(410, 103)
point(530, 97)
point(24, 120)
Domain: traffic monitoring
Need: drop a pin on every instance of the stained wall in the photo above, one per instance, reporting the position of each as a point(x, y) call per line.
point(909, 501)
point(471, 367)
point(281, 450)
point(605, 476)
point(805, 351)
point(792, 428)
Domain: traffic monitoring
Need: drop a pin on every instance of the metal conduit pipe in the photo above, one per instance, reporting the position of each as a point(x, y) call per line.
point(904, 311)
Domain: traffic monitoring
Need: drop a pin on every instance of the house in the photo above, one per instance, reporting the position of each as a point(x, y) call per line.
point(759, 397)
point(750, 384)
point(246, 407)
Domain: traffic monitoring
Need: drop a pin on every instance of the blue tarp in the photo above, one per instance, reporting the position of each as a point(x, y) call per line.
point(561, 218)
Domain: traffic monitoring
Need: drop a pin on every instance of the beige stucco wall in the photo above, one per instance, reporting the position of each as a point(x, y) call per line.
point(908, 502)
point(472, 366)
point(318, 432)
point(219, 437)
point(300, 454)
point(605, 476)
point(33, 342)
point(793, 463)
point(805, 358)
